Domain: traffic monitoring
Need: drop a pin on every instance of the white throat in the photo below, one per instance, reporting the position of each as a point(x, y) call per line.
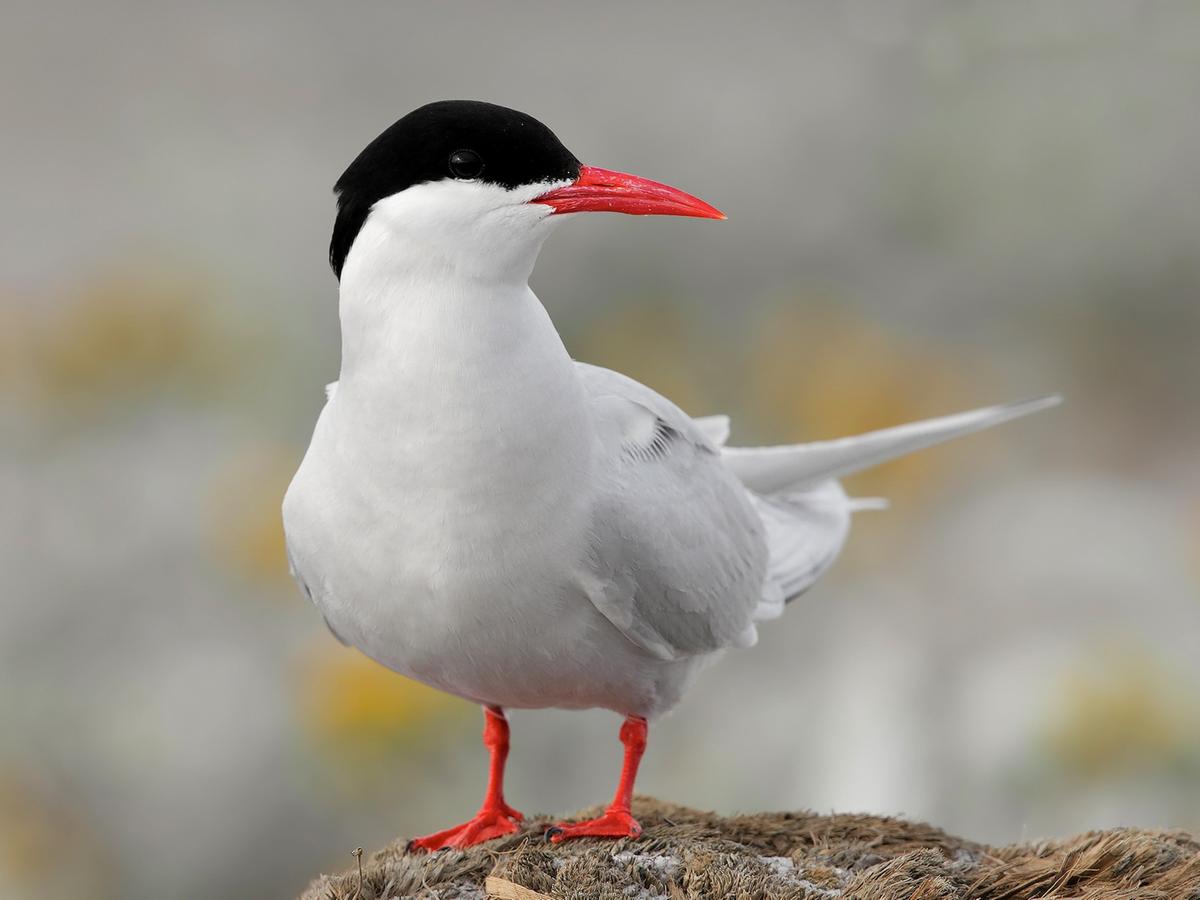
point(454, 381)
point(447, 253)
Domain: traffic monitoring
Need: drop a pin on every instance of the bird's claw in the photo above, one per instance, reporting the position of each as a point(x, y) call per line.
point(615, 823)
point(487, 825)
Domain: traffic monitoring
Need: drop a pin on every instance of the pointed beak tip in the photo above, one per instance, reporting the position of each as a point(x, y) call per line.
point(704, 210)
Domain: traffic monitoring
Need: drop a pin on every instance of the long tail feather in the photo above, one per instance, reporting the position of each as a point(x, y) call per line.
point(770, 469)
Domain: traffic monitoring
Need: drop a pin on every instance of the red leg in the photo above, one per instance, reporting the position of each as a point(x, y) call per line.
point(495, 818)
point(618, 820)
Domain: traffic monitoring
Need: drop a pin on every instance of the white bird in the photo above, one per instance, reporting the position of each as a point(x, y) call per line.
point(481, 513)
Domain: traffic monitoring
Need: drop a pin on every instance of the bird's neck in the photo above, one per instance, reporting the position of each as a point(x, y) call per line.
point(434, 329)
point(420, 301)
point(438, 365)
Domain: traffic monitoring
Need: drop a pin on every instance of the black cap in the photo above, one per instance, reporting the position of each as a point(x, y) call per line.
point(463, 139)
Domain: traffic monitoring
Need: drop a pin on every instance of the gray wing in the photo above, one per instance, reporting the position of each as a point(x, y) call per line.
point(679, 553)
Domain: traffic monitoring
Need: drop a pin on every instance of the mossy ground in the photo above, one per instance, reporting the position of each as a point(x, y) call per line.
point(685, 853)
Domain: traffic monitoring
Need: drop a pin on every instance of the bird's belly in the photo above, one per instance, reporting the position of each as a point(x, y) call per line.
point(486, 607)
point(530, 641)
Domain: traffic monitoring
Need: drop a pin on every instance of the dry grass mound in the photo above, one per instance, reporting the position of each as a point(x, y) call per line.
point(685, 853)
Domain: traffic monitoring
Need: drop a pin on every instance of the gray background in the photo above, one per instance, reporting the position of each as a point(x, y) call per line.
point(932, 205)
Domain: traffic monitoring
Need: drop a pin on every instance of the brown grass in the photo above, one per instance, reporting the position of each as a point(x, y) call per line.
point(685, 853)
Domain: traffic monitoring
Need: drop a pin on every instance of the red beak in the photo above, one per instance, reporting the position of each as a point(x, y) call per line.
point(599, 190)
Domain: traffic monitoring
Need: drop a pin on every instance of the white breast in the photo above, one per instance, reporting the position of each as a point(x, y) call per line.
point(442, 517)
point(440, 514)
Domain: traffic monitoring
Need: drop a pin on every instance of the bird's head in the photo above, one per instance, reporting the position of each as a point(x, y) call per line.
point(473, 186)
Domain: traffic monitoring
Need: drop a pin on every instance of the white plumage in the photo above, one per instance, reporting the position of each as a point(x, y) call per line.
point(481, 513)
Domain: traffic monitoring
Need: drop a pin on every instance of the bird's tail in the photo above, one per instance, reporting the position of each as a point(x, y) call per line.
point(804, 510)
point(769, 470)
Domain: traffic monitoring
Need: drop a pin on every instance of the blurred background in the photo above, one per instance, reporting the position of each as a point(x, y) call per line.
point(932, 206)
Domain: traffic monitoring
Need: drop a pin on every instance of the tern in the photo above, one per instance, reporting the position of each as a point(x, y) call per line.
point(480, 512)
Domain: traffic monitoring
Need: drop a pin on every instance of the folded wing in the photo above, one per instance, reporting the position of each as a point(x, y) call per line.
point(679, 554)
point(694, 541)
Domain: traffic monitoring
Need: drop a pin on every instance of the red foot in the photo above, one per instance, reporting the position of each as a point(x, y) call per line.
point(615, 823)
point(486, 825)
point(510, 812)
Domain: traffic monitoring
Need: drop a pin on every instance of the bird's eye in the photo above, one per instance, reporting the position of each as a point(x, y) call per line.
point(465, 164)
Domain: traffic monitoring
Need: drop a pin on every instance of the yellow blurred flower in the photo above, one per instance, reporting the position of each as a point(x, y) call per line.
point(245, 519)
point(46, 848)
point(354, 706)
point(118, 335)
point(1120, 710)
point(818, 372)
